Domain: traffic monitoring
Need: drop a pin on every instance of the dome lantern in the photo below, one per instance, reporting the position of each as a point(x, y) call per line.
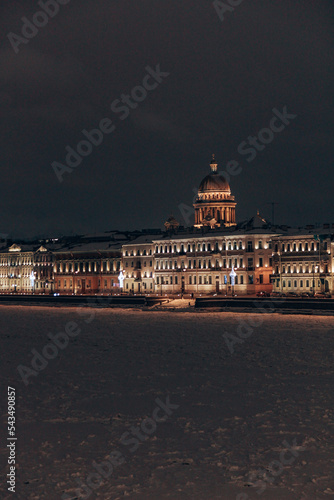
point(214, 164)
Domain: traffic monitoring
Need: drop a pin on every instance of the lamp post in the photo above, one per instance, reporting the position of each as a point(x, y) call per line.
point(32, 281)
point(121, 280)
point(232, 276)
point(315, 270)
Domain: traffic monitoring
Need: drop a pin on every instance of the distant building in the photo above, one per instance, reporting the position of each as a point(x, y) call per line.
point(303, 261)
point(88, 269)
point(222, 261)
point(214, 205)
point(138, 264)
point(26, 269)
point(215, 256)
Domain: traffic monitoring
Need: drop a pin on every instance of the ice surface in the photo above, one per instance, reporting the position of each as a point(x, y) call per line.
point(235, 410)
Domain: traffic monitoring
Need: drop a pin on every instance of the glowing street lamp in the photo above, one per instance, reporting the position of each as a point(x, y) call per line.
point(121, 278)
point(32, 281)
point(232, 276)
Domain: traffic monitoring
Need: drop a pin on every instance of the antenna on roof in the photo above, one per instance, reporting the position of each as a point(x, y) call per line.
point(272, 203)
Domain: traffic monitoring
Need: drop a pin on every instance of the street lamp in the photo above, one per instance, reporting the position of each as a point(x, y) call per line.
point(315, 270)
point(232, 276)
point(121, 280)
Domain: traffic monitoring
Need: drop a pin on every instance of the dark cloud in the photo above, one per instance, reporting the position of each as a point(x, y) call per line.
point(225, 79)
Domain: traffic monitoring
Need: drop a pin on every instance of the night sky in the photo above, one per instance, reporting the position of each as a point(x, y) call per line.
point(225, 78)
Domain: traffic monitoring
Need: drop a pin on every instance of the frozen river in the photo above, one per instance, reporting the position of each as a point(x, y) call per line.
point(151, 405)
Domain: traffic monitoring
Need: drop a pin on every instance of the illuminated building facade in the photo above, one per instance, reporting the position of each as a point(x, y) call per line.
point(190, 263)
point(85, 270)
point(303, 261)
point(26, 269)
point(215, 256)
point(138, 265)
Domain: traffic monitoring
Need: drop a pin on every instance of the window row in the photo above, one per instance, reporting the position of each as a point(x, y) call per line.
point(200, 280)
point(85, 283)
point(138, 264)
point(299, 269)
point(301, 247)
point(201, 264)
point(300, 283)
point(132, 253)
point(71, 267)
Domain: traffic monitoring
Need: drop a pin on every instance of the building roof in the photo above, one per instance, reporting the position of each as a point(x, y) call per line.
point(144, 239)
point(93, 246)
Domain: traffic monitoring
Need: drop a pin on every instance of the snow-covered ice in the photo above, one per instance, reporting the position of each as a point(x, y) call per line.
point(235, 410)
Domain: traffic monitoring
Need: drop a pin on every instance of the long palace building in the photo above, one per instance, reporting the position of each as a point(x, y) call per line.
point(216, 255)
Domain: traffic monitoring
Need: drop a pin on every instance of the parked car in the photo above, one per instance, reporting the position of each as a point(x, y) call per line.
point(305, 294)
point(275, 294)
point(263, 294)
point(291, 294)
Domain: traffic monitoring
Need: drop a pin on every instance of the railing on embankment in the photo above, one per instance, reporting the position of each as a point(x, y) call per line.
point(74, 300)
point(81, 300)
point(270, 304)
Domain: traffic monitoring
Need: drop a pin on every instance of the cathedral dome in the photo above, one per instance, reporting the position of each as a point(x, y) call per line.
point(214, 205)
point(214, 182)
